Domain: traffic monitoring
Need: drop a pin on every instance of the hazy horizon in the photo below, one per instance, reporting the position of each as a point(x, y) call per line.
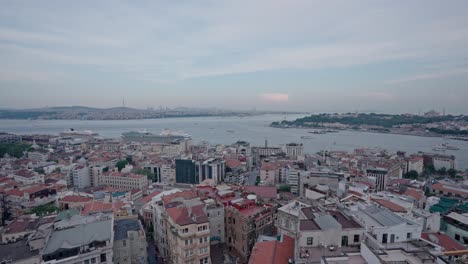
point(307, 56)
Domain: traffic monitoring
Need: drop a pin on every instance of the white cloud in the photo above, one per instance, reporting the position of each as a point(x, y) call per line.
point(274, 97)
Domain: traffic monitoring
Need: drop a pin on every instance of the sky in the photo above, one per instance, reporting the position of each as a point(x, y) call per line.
point(301, 55)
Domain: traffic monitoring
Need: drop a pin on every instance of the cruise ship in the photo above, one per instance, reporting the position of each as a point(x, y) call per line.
point(166, 136)
point(79, 134)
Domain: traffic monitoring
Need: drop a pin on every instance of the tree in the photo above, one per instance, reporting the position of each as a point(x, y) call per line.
point(452, 172)
point(44, 209)
point(442, 171)
point(13, 149)
point(121, 164)
point(412, 174)
point(284, 188)
point(430, 169)
point(257, 181)
point(146, 172)
point(39, 170)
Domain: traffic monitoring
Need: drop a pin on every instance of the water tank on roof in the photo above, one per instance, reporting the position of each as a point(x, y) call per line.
point(252, 197)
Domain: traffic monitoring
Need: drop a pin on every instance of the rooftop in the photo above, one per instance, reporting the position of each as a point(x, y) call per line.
point(268, 192)
point(121, 228)
point(443, 240)
point(187, 215)
point(390, 205)
point(17, 251)
point(76, 236)
point(274, 252)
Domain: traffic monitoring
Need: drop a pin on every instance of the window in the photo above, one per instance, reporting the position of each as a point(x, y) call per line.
point(86, 261)
point(103, 257)
point(344, 241)
point(457, 237)
point(93, 260)
point(204, 261)
point(124, 243)
point(408, 235)
point(310, 241)
point(356, 239)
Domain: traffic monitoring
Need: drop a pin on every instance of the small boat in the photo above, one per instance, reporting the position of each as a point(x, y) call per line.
point(230, 131)
point(307, 137)
point(439, 148)
point(450, 147)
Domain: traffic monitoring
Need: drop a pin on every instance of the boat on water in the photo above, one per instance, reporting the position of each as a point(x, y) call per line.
point(439, 148)
point(450, 147)
point(166, 136)
point(230, 131)
point(307, 137)
point(80, 134)
point(317, 132)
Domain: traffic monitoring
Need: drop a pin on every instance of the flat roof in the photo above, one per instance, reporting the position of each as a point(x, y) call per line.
point(383, 217)
point(123, 226)
point(79, 235)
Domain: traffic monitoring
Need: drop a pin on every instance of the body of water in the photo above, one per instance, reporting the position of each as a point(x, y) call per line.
point(254, 129)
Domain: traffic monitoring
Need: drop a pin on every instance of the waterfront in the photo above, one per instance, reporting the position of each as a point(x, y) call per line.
point(254, 129)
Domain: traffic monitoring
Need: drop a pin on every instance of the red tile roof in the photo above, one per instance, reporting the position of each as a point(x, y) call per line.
point(268, 166)
point(233, 163)
point(147, 199)
point(181, 215)
point(443, 240)
point(440, 187)
point(414, 193)
point(14, 192)
point(185, 195)
point(391, 206)
point(273, 252)
point(98, 206)
point(25, 173)
point(76, 199)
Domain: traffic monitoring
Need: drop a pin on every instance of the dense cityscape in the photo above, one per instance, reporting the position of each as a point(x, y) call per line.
point(159, 198)
point(233, 132)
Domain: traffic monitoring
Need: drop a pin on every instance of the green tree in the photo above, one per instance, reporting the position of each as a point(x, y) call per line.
point(284, 188)
point(121, 164)
point(442, 171)
point(452, 172)
point(257, 181)
point(39, 170)
point(412, 174)
point(146, 172)
point(44, 209)
point(13, 149)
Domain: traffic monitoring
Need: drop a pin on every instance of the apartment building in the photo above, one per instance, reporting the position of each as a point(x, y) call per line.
point(124, 181)
point(81, 239)
point(81, 177)
point(294, 150)
point(26, 176)
point(188, 234)
point(130, 244)
point(245, 222)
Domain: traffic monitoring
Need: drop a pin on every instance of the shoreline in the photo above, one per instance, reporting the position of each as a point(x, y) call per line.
point(451, 137)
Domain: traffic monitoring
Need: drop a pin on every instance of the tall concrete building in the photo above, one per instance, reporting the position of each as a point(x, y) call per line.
point(212, 168)
point(294, 150)
point(130, 244)
point(187, 171)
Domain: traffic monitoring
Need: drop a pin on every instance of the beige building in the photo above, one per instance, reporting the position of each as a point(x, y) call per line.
point(124, 181)
point(129, 242)
point(188, 235)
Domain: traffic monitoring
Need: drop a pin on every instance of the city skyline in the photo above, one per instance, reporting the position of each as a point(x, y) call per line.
point(269, 55)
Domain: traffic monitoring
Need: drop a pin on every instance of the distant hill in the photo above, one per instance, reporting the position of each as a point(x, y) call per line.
point(114, 113)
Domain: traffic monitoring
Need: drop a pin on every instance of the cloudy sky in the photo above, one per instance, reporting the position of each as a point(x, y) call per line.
point(387, 56)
